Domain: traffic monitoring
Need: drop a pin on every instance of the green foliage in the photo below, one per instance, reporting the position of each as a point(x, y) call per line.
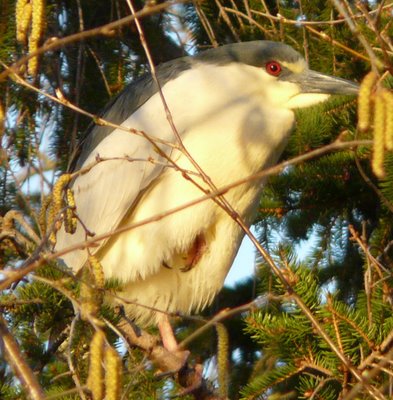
point(319, 199)
point(295, 356)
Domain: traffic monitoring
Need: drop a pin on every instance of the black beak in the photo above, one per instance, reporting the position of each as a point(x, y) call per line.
point(315, 82)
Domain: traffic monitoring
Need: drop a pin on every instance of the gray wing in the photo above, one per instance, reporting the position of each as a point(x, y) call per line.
point(110, 189)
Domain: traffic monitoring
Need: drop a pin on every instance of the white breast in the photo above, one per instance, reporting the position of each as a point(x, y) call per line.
point(225, 124)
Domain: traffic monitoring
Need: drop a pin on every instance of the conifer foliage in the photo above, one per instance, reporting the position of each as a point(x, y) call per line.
point(314, 323)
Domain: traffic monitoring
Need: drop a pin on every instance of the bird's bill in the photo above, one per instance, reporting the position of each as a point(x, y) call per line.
point(316, 82)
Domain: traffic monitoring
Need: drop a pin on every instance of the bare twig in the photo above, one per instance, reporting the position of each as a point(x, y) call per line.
point(56, 43)
point(39, 258)
point(249, 19)
point(205, 23)
point(99, 121)
point(349, 18)
point(327, 38)
point(17, 361)
point(227, 20)
point(71, 366)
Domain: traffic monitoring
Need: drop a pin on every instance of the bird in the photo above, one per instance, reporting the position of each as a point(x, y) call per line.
point(198, 124)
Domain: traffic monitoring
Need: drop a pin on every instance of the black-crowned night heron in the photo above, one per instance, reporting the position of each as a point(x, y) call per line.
point(233, 109)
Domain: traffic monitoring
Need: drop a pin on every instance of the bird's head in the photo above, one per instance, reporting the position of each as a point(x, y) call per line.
point(282, 73)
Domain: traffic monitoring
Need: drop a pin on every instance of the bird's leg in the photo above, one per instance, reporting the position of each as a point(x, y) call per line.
point(170, 343)
point(167, 335)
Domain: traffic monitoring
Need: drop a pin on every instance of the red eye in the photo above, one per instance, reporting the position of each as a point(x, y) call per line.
point(273, 68)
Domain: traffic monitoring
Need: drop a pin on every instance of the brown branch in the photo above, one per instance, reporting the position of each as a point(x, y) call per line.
point(71, 367)
point(310, 316)
point(368, 376)
point(349, 18)
point(104, 30)
point(170, 363)
point(60, 99)
point(249, 19)
point(379, 267)
point(227, 20)
point(281, 18)
point(18, 363)
point(371, 184)
point(205, 23)
point(39, 258)
point(327, 38)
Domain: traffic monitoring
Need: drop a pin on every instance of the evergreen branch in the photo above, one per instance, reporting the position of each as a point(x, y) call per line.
point(270, 379)
point(104, 30)
point(308, 313)
point(320, 387)
point(352, 324)
point(347, 13)
point(371, 184)
point(18, 363)
point(368, 376)
point(296, 22)
point(335, 325)
point(334, 42)
point(249, 19)
point(205, 23)
point(383, 347)
point(378, 266)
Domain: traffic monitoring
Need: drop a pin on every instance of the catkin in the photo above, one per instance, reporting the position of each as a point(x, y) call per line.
point(87, 295)
point(22, 19)
point(222, 359)
point(57, 202)
point(98, 272)
point(95, 378)
point(37, 28)
point(43, 215)
point(70, 221)
point(379, 136)
point(387, 96)
point(58, 189)
point(2, 119)
point(365, 99)
point(113, 369)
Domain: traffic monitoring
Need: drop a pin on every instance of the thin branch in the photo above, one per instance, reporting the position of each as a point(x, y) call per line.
point(74, 376)
point(281, 18)
point(249, 19)
point(224, 314)
point(371, 184)
point(60, 99)
point(206, 24)
point(104, 30)
point(227, 20)
point(349, 18)
point(327, 38)
point(39, 258)
point(17, 361)
point(368, 376)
